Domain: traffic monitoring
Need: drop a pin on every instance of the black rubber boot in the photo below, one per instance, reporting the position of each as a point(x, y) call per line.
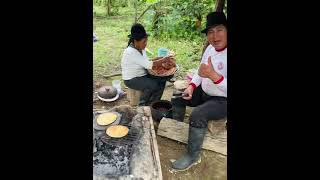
point(192, 157)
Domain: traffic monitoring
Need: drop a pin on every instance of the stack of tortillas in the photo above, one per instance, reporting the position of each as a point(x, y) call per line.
point(117, 131)
point(106, 118)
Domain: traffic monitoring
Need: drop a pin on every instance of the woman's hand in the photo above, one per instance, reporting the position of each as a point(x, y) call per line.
point(189, 92)
point(207, 71)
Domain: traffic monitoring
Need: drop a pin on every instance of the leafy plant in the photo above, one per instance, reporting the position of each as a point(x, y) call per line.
point(178, 19)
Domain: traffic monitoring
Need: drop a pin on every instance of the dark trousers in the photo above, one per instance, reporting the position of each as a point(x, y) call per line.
point(152, 87)
point(206, 108)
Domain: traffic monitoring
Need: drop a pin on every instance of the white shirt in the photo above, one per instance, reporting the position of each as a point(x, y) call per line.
point(219, 62)
point(134, 64)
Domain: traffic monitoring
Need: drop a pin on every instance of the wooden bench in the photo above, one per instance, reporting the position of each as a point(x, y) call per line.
point(215, 139)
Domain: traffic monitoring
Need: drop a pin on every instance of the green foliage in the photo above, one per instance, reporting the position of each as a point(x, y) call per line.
point(178, 19)
point(100, 6)
point(166, 18)
point(173, 24)
point(112, 33)
point(152, 1)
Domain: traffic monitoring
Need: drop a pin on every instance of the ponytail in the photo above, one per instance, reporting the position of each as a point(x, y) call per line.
point(130, 41)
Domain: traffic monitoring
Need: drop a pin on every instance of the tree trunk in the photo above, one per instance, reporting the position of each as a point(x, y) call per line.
point(220, 5)
point(109, 7)
point(198, 22)
point(137, 19)
point(156, 19)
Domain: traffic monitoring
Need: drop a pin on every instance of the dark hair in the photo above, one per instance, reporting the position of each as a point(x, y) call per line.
point(137, 33)
point(131, 39)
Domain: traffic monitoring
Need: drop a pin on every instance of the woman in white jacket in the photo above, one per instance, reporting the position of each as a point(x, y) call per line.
point(207, 91)
point(134, 66)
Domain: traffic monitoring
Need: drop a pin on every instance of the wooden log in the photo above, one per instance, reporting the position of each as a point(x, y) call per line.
point(217, 128)
point(111, 75)
point(155, 149)
point(179, 131)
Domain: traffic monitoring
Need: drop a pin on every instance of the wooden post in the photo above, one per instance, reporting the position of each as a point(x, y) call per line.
point(219, 5)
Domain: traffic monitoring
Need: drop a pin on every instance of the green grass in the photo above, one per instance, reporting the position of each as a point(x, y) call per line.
point(112, 33)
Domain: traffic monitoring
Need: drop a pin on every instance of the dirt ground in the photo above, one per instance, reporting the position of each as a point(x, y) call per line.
point(213, 165)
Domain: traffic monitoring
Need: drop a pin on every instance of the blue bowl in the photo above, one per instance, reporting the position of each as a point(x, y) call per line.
point(162, 52)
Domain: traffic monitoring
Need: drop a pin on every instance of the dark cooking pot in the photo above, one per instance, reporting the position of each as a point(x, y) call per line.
point(160, 109)
point(107, 92)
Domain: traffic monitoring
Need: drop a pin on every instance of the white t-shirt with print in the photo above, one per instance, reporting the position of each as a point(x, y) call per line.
point(219, 62)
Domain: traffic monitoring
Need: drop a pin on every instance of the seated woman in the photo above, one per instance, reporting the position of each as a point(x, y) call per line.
point(207, 91)
point(134, 65)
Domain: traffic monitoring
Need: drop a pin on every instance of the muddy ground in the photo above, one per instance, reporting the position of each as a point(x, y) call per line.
point(213, 165)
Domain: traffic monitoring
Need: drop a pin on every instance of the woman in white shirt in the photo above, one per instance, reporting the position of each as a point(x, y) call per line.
point(207, 92)
point(134, 65)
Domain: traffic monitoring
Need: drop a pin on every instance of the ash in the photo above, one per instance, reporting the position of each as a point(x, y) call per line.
point(110, 160)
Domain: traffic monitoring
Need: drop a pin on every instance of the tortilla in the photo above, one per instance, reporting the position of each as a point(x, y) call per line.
point(106, 118)
point(117, 131)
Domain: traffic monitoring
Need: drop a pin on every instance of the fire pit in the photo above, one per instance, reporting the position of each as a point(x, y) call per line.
point(111, 161)
point(131, 157)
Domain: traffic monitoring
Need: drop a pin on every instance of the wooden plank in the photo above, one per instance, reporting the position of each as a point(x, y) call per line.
point(155, 149)
point(216, 128)
point(142, 164)
point(179, 131)
point(145, 159)
point(110, 75)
